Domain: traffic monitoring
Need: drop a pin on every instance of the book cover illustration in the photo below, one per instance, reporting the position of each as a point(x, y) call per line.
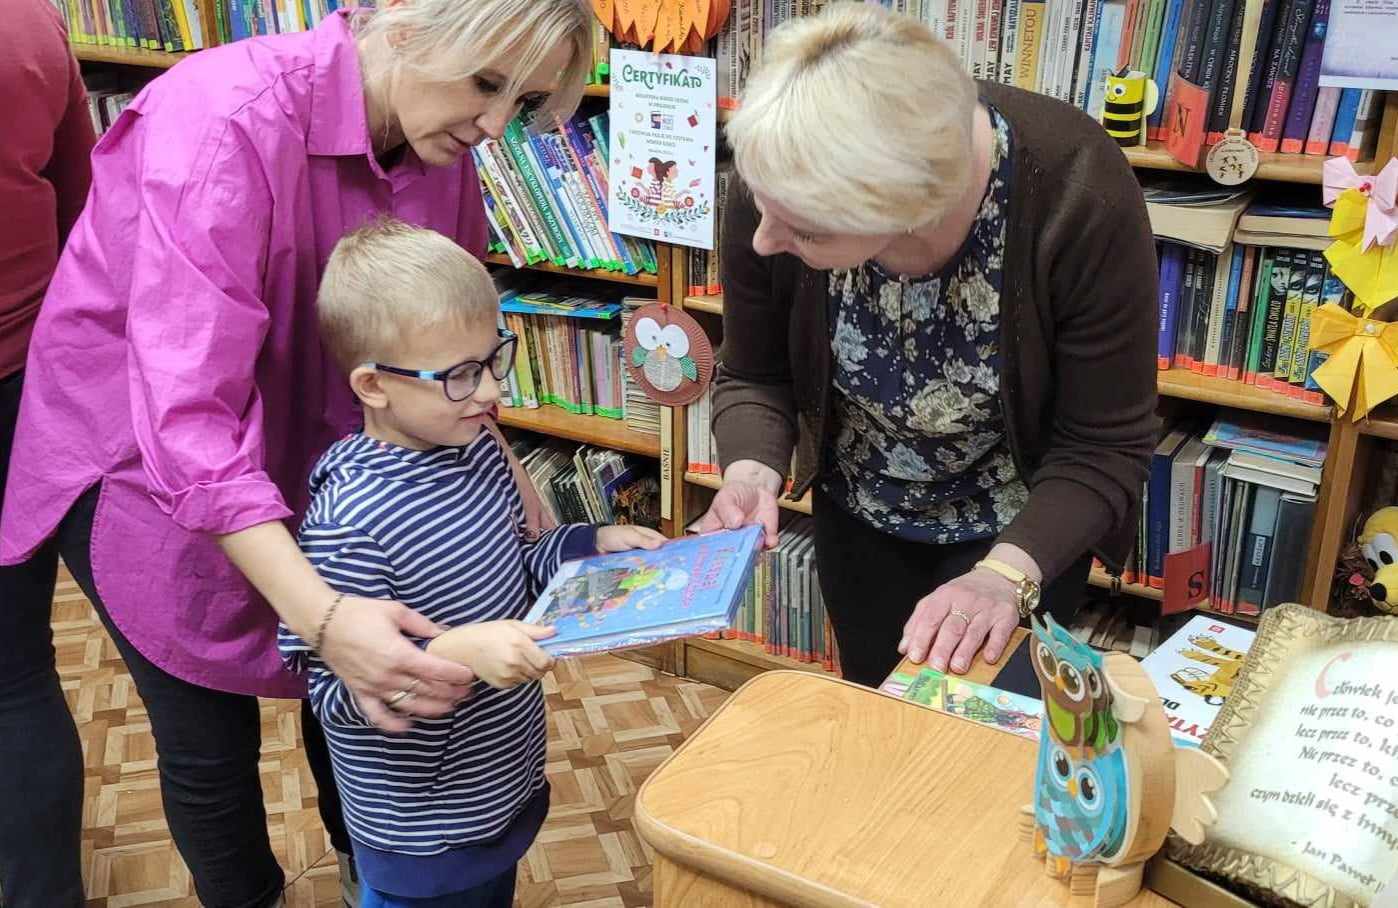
point(686, 587)
point(1000, 709)
point(1194, 671)
point(662, 154)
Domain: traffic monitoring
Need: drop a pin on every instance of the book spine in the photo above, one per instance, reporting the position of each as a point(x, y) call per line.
point(1345, 114)
point(1218, 307)
point(1284, 13)
point(1332, 292)
point(1031, 36)
point(1171, 279)
point(1310, 299)
point(1188, 296)
point(1276, 310)
point(1191, 63)
point(1257, 67)
point(1104, 54)
point(1244, 320)
point(1286, 343)
point(1227, 76)
point(1365, 121)
point(1257, 551)
point(1289, 52)
point(990, 70)
point(1298, 118)
point(1009, 42)
point(1327, 102)
point(1219, 362)
point(1091, 34)
point(1165, 64)
point(1150, 48)
point(1208, 272)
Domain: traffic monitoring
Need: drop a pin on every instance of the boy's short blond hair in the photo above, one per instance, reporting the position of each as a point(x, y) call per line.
point(388, 278)
point(857, 119)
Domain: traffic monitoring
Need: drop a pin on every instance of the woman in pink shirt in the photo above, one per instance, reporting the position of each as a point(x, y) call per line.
point(177, 394)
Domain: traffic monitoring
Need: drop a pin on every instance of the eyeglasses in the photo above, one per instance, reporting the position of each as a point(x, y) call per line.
point(461, 380)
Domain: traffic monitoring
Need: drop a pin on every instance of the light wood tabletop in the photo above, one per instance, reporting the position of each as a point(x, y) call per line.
point(806, 790)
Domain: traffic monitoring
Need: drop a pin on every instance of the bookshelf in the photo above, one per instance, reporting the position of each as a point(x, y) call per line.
point(616, 277)
point(126, 56)
point(710, 481)
point(1382, 423)
point(710, 304)
point(1281, 168)
point(591, 430)
point(1188, 385)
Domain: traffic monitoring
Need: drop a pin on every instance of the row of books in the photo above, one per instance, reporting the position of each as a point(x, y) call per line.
point(545, 194)
point(107, 97)
point(1066, 48)
point(1245, 315)
point(569, 352)
point(699, 436)
point(782, 609)
point(163, 25)
point(704, 264)
point(642, 413)
point(1245, 491)
point(591, 485)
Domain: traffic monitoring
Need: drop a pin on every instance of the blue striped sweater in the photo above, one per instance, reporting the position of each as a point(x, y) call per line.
point(441, 532)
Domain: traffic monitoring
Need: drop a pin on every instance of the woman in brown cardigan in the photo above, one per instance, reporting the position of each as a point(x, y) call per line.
point(940, 296)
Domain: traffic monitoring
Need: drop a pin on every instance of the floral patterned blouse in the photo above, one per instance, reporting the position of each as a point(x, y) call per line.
point(920, 449)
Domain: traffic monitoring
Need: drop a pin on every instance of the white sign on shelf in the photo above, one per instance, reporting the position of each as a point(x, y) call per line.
point(1361, 45)
point(663, 128)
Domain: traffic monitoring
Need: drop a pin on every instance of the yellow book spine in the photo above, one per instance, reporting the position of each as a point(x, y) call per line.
point(1031, 37)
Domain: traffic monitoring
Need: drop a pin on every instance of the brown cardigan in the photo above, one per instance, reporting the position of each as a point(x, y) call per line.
point(1077, 339)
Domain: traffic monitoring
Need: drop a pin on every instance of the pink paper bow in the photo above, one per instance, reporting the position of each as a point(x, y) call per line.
point(1381, 213)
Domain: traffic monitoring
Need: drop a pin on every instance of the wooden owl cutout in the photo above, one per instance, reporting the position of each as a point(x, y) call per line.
point(1109, 783)
point(668, 354)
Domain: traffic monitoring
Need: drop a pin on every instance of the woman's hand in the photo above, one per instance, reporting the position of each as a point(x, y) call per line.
point(978, 608)
point(503, 653)
point(365, 646)
point(537, 518)
point(626, 537)
point(748, 496)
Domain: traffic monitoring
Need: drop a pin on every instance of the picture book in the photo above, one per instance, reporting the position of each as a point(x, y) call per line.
point(1001, 709)
point(1194, 671)
point(687, 587)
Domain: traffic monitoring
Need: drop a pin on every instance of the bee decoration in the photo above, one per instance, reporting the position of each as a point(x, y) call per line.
point(1131, 97)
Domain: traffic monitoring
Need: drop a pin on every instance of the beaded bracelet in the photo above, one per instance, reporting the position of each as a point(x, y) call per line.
point(325, 621)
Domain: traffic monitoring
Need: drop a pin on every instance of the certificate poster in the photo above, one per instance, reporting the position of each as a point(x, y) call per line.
point(663, 119)
point(1361, 45)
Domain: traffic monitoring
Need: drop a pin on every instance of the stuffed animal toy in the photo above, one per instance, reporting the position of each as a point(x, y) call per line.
point(1379, 542)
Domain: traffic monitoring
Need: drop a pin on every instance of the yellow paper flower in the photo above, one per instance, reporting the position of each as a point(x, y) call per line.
point(1373, 275)
point(1362, 369)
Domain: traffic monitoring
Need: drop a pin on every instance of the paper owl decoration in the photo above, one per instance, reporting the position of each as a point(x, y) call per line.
point(1109, 783)
point(668, 354)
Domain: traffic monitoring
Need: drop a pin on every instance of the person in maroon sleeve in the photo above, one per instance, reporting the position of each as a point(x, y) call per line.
point(44, 174)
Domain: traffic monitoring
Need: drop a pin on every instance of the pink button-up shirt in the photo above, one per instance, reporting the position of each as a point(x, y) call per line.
point(176, 358)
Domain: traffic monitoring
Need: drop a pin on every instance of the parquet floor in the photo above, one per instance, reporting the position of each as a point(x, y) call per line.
point(610, 723)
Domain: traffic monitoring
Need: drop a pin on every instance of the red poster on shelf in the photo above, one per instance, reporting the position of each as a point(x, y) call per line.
point(1186, 118)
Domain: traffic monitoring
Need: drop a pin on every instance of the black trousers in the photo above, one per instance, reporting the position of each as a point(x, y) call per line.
point(207, 745)
point(41, 759)
point(872, 581)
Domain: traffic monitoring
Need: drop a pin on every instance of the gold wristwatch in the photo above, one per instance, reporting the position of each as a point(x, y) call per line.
point(1026, 590)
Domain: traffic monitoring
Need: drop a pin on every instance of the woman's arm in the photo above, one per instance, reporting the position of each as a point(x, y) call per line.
point(754, 416)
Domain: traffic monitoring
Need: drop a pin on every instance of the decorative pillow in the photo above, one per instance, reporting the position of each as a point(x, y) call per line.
point(669, 354)
point(1310, 739)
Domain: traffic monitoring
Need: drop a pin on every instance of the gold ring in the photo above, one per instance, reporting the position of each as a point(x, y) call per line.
point(960, 613)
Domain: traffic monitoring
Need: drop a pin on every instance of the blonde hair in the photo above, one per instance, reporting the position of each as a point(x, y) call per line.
point(858, 119)
point(388, 278)
point(452, 40)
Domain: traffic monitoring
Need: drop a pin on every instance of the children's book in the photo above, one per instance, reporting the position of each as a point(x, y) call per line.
point(687, 587)
point(1194, 671)
point(1001, 709)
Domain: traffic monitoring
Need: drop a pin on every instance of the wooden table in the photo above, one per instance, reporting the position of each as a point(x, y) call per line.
point(806, 790)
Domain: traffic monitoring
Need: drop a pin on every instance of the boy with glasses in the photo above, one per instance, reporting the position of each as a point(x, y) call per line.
point(421, 507)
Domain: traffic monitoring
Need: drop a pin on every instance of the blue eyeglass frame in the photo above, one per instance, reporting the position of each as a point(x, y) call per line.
point(442, 375)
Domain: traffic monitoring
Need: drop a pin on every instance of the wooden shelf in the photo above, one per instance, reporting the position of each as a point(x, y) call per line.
point(616, 277)
point(711, 303)
point(598, 90)
point(1382, 423)
point(129, 56)
point(1286, 168)
point(728, 664)
point(592, 430)
point(710, 481)
point(1193, 386)
point(1100, 578)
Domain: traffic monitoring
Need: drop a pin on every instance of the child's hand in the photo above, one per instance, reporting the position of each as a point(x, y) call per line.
point(627, 537)
point(503, 654)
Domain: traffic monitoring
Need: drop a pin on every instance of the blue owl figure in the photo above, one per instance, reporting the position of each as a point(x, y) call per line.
point(1081, 795)
point(1108, 784)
